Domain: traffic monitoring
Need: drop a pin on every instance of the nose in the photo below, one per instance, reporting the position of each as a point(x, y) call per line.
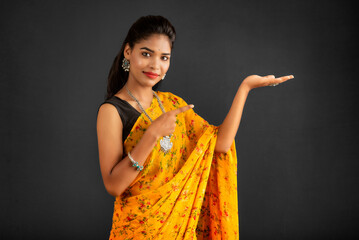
point(155, 63)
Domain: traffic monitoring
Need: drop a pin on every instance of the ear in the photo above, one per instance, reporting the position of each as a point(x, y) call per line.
point(127, 51)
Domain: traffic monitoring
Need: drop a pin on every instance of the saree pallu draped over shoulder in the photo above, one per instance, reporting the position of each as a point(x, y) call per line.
point(189, 192)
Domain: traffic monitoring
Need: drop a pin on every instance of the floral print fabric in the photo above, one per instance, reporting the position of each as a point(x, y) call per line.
point(189, 192)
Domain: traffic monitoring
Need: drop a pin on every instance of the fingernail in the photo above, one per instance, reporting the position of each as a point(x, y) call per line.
point(191, 105)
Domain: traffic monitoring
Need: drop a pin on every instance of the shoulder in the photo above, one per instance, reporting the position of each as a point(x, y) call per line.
point(108, 112)
point(113, 104)
point(106, 107)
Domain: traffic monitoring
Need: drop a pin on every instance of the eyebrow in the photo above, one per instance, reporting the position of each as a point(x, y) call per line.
point(154, 51)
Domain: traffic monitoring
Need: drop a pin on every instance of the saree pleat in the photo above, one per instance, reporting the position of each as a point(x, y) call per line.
point(187, 193)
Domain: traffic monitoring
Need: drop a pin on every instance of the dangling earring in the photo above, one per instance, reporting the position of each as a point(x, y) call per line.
point(164, 76)
point(125, 65)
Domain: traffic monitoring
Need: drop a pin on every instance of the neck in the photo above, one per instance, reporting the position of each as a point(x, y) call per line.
point(142, 93)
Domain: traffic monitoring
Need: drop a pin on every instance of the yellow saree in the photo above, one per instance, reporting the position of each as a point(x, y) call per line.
point(189, 192)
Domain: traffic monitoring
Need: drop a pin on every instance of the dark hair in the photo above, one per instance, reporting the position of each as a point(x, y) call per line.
point(143, 28)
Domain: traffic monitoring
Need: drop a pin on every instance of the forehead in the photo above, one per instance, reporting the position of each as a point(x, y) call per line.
point(156, 42)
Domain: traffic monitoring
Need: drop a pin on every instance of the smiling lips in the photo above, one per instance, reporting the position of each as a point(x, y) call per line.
point(151, 75)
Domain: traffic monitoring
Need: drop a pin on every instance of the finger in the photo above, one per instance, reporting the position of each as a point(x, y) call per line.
point(285, 78)
point(182, 109)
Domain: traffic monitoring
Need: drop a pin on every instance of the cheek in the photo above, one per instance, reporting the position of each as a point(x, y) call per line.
point(166, 66)
point(139, 63)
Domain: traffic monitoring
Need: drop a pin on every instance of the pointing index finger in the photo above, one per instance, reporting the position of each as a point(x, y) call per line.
point(183, 109)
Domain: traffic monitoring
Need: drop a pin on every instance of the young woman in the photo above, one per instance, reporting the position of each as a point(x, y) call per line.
point(172, 173)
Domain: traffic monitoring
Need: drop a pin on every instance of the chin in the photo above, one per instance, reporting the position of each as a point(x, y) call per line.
point(149, 83)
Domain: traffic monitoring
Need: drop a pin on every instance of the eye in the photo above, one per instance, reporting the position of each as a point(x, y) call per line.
point(165, 58)
point(146, 54)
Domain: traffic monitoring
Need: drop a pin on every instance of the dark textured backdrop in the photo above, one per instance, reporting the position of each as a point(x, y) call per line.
point(297, 142)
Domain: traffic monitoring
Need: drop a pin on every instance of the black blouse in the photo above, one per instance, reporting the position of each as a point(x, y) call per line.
point(128, 114)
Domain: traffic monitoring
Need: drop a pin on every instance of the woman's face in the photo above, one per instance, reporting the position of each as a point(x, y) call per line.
point(149, 60)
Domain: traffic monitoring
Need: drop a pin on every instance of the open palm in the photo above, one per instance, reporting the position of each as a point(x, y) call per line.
point(255, 81)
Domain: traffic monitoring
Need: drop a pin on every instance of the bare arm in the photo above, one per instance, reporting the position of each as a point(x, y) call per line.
point(228, 129)
point(118, 173)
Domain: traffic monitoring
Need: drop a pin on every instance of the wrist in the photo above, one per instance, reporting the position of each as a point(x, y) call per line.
point(152, 134)
point(244, 87)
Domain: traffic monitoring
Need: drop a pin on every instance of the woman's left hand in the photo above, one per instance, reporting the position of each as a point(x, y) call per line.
point(255, 81)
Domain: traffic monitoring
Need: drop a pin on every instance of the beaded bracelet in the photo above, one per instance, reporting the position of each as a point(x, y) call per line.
point(135, 164)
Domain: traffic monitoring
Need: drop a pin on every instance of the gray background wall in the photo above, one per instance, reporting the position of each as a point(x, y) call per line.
point(296, 145)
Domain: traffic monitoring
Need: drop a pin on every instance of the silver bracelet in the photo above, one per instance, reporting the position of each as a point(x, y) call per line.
point(135, 164)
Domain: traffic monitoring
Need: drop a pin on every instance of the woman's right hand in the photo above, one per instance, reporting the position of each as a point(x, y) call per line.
point(165, 124)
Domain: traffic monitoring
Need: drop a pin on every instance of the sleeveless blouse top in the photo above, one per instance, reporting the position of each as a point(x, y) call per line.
point(128, 114)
